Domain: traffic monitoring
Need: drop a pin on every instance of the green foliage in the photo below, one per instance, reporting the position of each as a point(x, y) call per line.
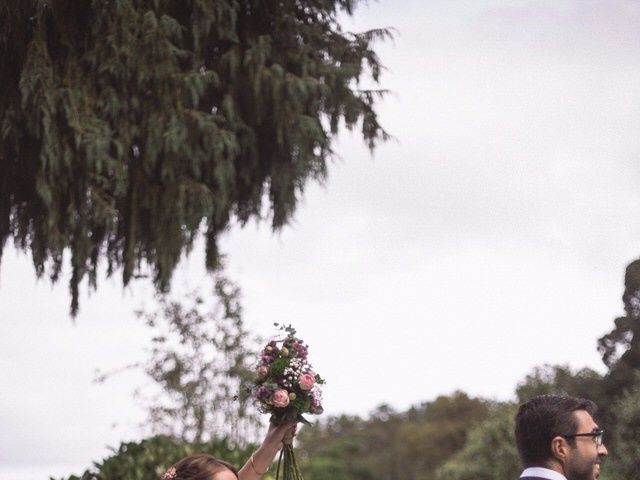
point(489, 453)
point(346, 446)
point(278, 366)
point(331, 468)
point(620, 348)
point(301, 403)
point(201, 359)
point(435, 431)
point(129, 127)
point(562, 380)
point(625, 462)
point(391, 445)
point(149, 459)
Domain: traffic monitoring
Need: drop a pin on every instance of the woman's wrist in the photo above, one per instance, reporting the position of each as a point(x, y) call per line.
point(256, 470)
point(260, 461)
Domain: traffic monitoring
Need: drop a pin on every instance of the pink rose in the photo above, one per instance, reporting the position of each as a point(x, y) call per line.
point(280, 398)
point(262, 371)
point(306, 381)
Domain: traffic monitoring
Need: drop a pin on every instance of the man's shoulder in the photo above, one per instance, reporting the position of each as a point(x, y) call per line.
point(532, 478)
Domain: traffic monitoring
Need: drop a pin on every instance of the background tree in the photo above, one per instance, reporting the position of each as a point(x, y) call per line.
point(200, 362)
point(149, 459)
point(434, 431)
point(562, 380)
point(620, 348)
point(129, 127)
point(624, 460)
point(489, 453)
point(337, 449)
point(391, 445)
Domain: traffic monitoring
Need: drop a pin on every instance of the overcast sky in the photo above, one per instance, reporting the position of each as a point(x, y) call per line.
point(490, 237)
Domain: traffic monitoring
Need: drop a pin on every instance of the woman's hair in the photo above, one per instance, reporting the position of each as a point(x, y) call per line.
point(197, 467)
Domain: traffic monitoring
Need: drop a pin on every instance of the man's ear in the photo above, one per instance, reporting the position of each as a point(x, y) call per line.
point(560, 449)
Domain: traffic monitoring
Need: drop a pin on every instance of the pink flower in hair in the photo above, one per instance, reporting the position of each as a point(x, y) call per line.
point(169, 474)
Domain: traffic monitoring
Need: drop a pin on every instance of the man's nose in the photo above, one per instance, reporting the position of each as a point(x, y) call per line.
point(602, 451)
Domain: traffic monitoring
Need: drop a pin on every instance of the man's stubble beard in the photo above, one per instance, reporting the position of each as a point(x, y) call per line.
point(583, 471)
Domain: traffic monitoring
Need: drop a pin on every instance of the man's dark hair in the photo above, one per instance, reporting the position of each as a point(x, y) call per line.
point(543, 418)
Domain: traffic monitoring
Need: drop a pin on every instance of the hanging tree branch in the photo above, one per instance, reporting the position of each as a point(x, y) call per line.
point(128, 127)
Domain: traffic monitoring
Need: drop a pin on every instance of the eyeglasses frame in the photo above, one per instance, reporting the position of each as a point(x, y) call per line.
point(597, 436)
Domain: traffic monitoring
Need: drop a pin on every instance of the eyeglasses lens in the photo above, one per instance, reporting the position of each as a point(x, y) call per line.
point(598, 438)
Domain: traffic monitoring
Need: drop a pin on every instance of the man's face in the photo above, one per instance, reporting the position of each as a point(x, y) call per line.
point(583, 462)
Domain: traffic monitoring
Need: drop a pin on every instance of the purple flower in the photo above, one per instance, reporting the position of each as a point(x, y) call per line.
point(263, 393)
point(301, 350)
point(315, 407)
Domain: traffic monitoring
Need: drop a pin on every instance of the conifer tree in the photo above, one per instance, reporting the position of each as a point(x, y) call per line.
point(130, 127)
point(620, 348)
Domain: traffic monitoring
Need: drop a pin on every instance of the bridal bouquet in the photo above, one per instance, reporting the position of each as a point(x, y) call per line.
point(287, 387)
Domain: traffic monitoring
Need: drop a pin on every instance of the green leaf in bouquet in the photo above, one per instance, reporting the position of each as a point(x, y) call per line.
point(278, 366)
point(282, 415)
point(301, 403)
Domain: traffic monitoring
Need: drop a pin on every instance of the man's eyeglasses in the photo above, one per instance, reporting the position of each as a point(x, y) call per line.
point(596, 436)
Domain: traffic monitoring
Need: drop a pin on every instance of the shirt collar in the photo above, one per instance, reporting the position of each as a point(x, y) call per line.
point(543, 472)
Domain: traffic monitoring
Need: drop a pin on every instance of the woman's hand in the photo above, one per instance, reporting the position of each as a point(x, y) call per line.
point(277, 435)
